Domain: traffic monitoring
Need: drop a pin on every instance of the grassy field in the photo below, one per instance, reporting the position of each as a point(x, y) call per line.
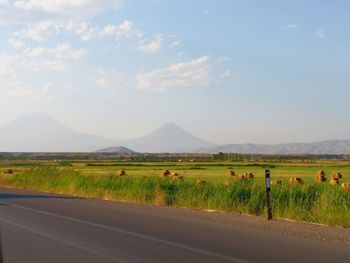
point(321, 203)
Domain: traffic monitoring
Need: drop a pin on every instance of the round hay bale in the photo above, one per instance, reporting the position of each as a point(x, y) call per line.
point(174, 174)
point(178, 177)
point(320, 173)
point(201, 182)
point(295, 180)
point(320, 178)
point(276, 182)
point(334, 181)
point(121, 173)
point(230, 173)
point(241, 177)
point(165, 173)
point(337, 175)
point(345, 187)
point(249, 175)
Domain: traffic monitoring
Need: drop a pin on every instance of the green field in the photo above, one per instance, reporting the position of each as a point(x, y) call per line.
point(321, 203)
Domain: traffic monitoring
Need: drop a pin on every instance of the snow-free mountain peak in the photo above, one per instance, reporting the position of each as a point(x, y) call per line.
point(167, 138)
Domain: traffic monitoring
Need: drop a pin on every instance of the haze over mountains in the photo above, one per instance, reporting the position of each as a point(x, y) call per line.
point(41, 133)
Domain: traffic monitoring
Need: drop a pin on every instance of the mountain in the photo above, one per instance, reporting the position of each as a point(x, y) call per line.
point(115, 149)
point(41, 133)
point(323, 147)
point(167, 138)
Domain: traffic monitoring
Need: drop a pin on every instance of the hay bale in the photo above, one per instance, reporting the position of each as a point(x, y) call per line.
point(178, 177)
point(337, 175)
point(249, 175)
point(334, 181)
point(276, 182)
point(165, 173)
point(230, 173)
point(320, 173)
point(241, 177)
point(174, 174)
point(121, 173)
point(320, 178)
point(345, 187)
point(201, 182)
point(295, 180)
point(8, 171)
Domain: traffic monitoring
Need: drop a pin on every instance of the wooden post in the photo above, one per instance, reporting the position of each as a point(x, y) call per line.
point(268, 194)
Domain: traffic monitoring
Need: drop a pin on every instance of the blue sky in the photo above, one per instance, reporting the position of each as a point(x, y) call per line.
point(228, 71)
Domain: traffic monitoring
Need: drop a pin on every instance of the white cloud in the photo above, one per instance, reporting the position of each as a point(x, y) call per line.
point(175, 44)
point(57, 58)
point(225, 75)
point(178, 75)
point(68, 8)
point(46, 65)
point(61, 51)
point(101, 82)
point(320, 33)
point(125, 29)
point(7, 63)
point(81, 28)
point(290, 27)
point(36, 32)
point(35, 52)
point(16, 43)
point(151, 46)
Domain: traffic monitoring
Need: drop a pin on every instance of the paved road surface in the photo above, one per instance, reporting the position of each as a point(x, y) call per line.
point(39, 228)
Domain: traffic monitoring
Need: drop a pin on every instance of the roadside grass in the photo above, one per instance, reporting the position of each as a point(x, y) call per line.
point(319, 203)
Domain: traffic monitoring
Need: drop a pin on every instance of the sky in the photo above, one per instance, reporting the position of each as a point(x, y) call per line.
point(229, 71)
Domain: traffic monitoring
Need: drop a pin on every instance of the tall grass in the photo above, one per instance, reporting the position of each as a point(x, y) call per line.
point(313, 203)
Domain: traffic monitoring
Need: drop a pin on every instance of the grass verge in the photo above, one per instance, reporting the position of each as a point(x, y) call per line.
point(319, 203)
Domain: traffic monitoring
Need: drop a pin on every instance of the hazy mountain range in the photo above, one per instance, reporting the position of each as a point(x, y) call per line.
point(41, 133)
point(323, 147)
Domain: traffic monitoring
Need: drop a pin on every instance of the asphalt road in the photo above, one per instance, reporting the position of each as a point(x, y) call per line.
point(39, 227)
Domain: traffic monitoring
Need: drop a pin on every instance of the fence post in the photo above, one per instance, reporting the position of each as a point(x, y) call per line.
point(268, 194)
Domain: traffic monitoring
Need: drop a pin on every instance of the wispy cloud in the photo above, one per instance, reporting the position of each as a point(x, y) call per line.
point(290, 27)
point(196, 72)
point(175, 44)
point(320, 33)
point(126, 29)
point(151, 46)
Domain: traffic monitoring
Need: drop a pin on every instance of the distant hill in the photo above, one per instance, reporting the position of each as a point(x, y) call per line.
point(167, 138)
point(41, 133)
point(115, 149)
point(323, 147)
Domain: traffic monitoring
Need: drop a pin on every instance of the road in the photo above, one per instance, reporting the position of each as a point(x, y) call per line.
point(38, 227)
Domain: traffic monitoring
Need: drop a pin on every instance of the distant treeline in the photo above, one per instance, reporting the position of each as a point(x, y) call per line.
point(171, 157)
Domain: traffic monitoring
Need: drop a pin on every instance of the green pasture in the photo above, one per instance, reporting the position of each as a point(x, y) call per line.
point(214, 172)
